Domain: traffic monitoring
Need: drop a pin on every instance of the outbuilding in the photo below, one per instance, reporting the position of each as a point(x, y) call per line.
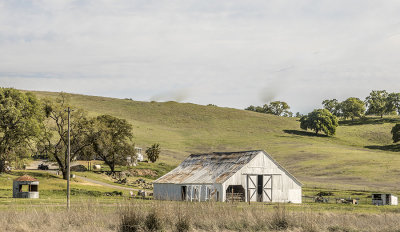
point(26, 187)
point(384, 199)
point(229, 176)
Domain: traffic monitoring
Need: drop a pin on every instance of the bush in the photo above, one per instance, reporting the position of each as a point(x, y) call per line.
point(183, 224)
point(131, 221)
point(280, 219)
point(323, 194)
point(153, 222)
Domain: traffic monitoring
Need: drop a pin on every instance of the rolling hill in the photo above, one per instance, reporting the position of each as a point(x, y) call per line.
point(359, 156)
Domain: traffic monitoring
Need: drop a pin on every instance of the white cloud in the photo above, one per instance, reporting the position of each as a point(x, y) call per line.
point(231, 53)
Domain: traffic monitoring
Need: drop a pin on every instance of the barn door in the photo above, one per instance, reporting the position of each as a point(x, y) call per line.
point(267, 188)
point(251, 188)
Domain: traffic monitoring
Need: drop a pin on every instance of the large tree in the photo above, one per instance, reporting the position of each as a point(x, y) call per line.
point(377, 102)
point(393, 103)
point(333, 106)
point(55, 139)
point(352, 107)
point(20, 124)
point(112, 140)
point(320, 120)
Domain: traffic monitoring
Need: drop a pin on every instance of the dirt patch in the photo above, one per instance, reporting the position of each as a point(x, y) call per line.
point(143, 172)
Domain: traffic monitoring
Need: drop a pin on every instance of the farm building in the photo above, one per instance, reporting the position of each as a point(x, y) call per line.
point(31, 189)
point(384, 199)
point(226, 176)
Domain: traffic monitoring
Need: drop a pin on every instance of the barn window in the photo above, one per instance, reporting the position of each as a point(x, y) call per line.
point(235, 193)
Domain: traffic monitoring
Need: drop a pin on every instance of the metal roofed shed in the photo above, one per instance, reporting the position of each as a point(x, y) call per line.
point(26, 187)
point(384, 199)
point(229, 176)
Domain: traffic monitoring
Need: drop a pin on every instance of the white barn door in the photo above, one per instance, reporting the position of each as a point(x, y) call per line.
point(267, 188)
point(251, 188)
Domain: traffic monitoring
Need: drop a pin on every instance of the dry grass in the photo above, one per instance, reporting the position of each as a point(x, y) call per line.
point(181, 216)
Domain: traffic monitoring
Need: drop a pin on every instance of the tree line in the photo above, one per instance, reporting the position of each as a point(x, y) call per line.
point(28, 125)
point(378, 102)
point(279, 108)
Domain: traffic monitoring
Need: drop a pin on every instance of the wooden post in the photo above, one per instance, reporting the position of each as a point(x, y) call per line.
point(248, 196)
point(232, 195)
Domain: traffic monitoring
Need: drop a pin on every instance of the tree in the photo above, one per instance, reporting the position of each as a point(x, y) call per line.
point(55, 138)
point(377, 102)
point(20, 120)
point(251, 108)
point(320, 120)
point(393, 103)
point(277, 108)
point(352, 107)
point(333, 106)
point(153, 152)
point(396, 133)
point(112, 140)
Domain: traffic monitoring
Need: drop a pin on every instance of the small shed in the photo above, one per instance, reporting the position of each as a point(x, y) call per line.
point(229, 176)
point(26, 187)
point(384, 199)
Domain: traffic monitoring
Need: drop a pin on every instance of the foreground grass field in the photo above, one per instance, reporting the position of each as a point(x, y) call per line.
point(360, 156)
point(136, 215)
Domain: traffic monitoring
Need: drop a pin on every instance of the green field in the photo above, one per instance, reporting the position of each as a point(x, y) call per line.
point(360, 156)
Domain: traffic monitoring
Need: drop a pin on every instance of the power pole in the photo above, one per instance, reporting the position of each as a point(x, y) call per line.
point(68, 160)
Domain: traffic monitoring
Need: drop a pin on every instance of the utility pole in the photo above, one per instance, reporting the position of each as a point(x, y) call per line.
point(68, 160)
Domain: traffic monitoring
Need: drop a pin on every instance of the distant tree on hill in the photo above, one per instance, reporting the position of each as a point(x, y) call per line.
point(279, 108)
point(333, 106)
point(396, 133)
point(320, 120)
point(393, 103)
point(20, 124)
point(377, 102)
point(299, 115)
point(153, 152)
point(352, 107)
point(251, 108)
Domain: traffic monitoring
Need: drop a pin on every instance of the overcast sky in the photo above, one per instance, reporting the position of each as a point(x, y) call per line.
point(229, 53)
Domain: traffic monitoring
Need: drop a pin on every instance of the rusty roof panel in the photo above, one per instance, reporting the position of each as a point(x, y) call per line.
point(208, 168)
point(26, 178)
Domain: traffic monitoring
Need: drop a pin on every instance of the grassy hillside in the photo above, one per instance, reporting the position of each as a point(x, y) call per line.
point(360, 156)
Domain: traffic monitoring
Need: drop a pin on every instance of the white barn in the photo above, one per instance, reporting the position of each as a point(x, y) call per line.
point(225, 176)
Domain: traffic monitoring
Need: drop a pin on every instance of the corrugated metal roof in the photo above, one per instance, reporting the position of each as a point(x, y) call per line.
point(26, 178)
point(208, 168)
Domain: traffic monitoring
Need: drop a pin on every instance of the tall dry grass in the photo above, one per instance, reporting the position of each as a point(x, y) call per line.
point(183, 216)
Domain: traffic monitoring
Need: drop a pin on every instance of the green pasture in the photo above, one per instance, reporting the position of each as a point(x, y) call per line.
point(360, 156)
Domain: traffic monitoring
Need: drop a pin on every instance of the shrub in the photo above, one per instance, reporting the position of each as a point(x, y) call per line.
point(183, 224)
point(323, 194)
point(131, 221)
point(153, 222)
point(280, 219)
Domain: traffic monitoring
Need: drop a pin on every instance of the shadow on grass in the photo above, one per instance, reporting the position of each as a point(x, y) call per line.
point(368, 121)
point(392, 147)
point(304, 133)
point(34, 174)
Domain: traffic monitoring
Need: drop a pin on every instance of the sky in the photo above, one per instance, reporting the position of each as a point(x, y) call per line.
point(230, 53)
